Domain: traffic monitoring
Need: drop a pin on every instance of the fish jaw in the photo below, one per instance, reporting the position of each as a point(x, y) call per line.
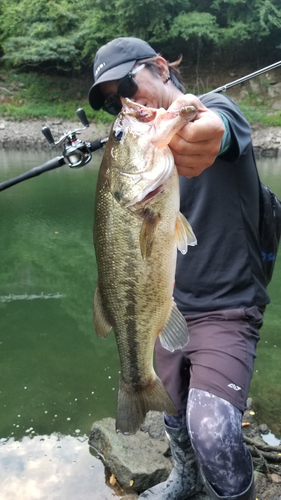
point(165, 123)
point(168, 123)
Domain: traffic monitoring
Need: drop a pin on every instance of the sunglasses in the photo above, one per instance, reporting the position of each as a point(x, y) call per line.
point(126, 88)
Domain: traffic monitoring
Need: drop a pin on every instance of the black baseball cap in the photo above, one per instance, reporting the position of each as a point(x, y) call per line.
point(114, 61)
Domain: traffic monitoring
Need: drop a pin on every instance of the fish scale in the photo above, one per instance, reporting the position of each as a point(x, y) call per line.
point(137, 230)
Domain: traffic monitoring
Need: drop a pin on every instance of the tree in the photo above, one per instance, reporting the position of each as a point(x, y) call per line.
point(39, 31)
point(67, 35)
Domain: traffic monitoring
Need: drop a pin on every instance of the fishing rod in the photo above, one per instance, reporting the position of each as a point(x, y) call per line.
point(77, 153)
point(227, 86)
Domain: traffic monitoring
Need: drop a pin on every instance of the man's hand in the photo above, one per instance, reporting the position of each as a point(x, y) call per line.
point(196, 146)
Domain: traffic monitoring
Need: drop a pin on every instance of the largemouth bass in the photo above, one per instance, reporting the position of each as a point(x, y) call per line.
point(137, 230)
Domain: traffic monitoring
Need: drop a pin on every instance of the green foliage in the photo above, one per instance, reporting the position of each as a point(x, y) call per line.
point(257, 106)
point(195, 24)
point(35, 31)
point(246, 19)
point(66, 34)
point(35, 95)
point(96, 28)
point(20, 51)
point(261, 114)
point(149, 20)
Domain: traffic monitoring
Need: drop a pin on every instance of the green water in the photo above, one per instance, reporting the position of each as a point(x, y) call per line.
point(57, 377)
point(266, 382)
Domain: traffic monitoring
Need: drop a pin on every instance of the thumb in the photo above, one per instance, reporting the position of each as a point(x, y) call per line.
point(187, 100)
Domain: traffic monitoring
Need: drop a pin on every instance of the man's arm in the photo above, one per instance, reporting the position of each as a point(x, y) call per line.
point(196, 146)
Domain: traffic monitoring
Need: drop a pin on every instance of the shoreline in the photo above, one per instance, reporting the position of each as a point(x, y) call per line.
point(132, 473)
point(27, 134)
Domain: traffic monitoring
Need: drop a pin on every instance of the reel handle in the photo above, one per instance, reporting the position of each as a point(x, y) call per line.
point(82, 117)
point(46, 131)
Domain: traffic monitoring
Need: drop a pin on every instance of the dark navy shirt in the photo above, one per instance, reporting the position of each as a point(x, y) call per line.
point(224, 270)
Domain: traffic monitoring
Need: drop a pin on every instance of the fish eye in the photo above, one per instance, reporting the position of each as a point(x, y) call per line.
point(118, 134)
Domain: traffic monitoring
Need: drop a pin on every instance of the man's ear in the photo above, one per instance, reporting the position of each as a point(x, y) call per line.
point(163, 68)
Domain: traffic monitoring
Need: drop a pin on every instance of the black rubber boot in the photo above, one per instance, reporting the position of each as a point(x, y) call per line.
point(248, 494)
point(185, 479)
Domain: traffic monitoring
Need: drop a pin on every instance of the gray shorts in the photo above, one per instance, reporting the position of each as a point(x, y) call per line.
point(219, 357)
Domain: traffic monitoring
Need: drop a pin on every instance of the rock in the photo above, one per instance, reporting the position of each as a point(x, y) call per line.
point(129, 497)
point(263, 428)
point(275, 478)
point(154, 425)
point(244, 94)
point(269, 153)
point(249, 416)
point(135, 463)
point(274, 90)
point(273, 493)
point(276, 105)
point(260, 481)
point(267, 141)
point(27, 134)
point(255, 85)
point(138, 461)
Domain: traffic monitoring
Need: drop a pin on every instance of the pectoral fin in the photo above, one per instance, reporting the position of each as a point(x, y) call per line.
point(184, 234)
point(147, 232)
point(175, 333)
point(101, 325)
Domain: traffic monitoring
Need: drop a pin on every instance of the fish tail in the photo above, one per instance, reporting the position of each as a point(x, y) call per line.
point(133, 405)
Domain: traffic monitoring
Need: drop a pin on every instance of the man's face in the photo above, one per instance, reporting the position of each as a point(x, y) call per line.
point(152, 90)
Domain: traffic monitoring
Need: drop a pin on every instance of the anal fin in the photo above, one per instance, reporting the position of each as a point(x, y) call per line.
point(101, 325)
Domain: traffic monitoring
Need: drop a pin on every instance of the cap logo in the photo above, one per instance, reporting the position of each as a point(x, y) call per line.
point(99, 68)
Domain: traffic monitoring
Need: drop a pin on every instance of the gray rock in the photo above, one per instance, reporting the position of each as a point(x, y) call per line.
point(263, 428)
point(255, 85)
point(138, 461)
point(129, 497)
point(274, 90)
point(276, 105)
point(27, 134)
point(267, 141)
point(154, 425)
point(244, 94)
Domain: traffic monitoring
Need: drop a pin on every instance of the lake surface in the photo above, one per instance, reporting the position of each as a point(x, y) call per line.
point(57, 377)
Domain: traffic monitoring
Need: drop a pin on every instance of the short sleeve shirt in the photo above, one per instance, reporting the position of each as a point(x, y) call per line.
point(224, 270)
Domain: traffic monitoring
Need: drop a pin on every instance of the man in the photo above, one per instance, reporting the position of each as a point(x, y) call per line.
point(220, 287)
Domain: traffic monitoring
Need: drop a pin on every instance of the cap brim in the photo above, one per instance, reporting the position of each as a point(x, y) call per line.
point(96, 98)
